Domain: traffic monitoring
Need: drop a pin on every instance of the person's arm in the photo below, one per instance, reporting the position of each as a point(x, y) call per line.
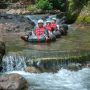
point(46, 32)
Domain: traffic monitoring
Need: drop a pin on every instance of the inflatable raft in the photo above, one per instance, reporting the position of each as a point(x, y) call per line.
point(57, 33)
point(35, 39)
point(51, 36)
point(63, 29)
point(32, 38)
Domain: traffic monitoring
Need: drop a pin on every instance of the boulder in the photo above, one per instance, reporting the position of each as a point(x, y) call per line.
point(2, 50)
point(74, 67)
point(13, 82)
point(32, 70)
point(88, 65)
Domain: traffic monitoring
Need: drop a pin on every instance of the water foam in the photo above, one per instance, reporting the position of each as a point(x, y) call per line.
point(62, 80)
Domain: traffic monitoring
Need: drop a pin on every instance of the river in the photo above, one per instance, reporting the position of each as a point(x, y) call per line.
point(78, 39)
point(62, 80)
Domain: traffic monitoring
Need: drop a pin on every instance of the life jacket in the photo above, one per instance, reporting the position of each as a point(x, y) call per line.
point(48, 27)
point(54, 25)
point(40, 31)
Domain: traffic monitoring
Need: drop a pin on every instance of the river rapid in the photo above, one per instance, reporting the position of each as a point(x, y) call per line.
point(62, 80)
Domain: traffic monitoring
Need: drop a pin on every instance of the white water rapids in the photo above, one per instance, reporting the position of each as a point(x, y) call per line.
point(63, 80)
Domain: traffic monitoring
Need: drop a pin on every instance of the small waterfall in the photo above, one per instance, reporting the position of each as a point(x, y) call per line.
point(35, 18)
point(14, 63)
point(45, 61)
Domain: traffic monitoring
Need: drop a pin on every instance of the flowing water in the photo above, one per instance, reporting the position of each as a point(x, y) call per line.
point(35, 18)
point(78, 39)
point(14, 63)
point(62, 80)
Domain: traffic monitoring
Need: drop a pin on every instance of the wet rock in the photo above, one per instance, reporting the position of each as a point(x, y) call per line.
point(13, 82)
point(88, 65)
point(32, 70)
point(2, 50)
point(74, 67)
point(17, 11)
point(15, 23)
point(38, 11)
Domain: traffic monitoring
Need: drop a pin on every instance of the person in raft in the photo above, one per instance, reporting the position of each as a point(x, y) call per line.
point(50, 30)
point(40, 33)
point(41, 30)
point(54, 24)
point(48, 26)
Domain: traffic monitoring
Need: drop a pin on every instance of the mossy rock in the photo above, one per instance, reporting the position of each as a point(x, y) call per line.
point(83, 19)
point(2, 50)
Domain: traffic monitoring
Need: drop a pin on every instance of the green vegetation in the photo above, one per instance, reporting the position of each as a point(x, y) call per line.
point(50, 4)
point(44, 5)
point(74, 9)
point(84, 15)
point(31, 8)
point(41, 4)
point(83, 19)
point(59, 4)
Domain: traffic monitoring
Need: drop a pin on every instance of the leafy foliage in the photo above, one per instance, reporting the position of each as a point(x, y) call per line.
point(44, 5)
point(74, 8)
point(31, 7)
point(59, 4)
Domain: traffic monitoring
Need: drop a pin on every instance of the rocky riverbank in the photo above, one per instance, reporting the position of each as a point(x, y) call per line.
point(15, 23)
point(23, 11)
point(12, 24)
